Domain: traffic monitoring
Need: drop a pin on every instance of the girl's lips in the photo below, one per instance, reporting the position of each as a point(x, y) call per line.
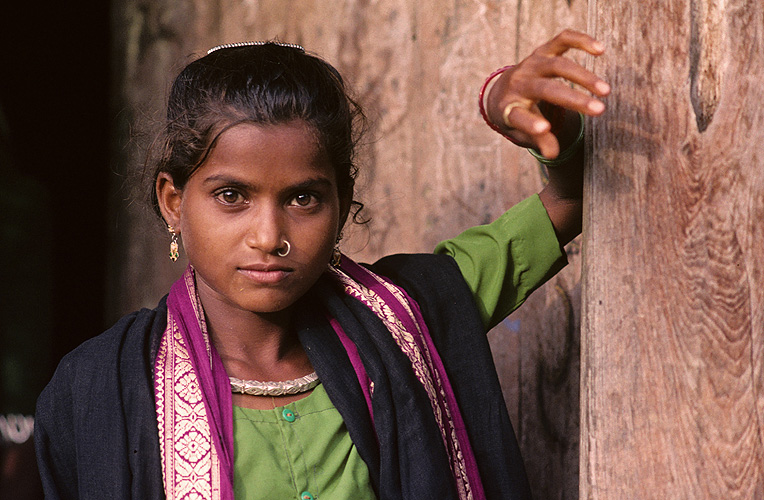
point(265, 275)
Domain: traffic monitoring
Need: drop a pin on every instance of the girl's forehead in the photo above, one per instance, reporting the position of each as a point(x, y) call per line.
point(279, 149)
point(294, 137)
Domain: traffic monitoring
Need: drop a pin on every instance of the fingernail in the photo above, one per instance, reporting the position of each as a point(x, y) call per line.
point(602, 87)
point(596, 106)
point(598, 47)
point(540, 126)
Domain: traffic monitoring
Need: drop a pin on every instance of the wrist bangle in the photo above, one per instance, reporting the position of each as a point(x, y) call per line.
point(566, 155)
point(481, 106)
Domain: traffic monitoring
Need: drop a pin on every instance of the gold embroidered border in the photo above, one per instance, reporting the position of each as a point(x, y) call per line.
point(190, 465)
point(422, 364)
point(457, 459)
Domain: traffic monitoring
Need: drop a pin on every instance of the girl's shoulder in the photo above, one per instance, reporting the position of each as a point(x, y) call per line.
point(435, 282)
point(131, 341)
point(419, 271)
point(98, 411)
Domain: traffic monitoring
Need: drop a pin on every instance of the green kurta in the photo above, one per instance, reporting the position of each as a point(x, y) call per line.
point(300, 448)
point(303, 450)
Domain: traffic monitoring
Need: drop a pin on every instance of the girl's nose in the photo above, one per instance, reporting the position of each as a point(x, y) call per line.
point(266, 231)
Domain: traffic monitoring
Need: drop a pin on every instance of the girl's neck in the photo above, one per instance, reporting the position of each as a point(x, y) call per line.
point(256, 346)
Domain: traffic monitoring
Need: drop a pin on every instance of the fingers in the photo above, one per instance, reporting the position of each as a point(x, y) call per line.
point(574, 73)
point(561, 94)
point(548, 78)
point(570, 39)
point(529, 128)
point(520, 103)
point(546, 75)
point(548, 145)
point(529, 121)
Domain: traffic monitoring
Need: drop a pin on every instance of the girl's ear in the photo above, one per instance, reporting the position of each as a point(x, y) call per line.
point(168, 198)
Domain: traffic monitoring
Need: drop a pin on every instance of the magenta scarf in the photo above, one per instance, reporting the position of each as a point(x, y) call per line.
point(193, 403)
point(193, 395)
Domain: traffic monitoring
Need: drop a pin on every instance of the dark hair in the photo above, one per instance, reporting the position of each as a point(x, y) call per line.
point(266, 83)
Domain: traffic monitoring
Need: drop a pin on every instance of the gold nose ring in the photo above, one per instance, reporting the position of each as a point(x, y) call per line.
point(284, 250)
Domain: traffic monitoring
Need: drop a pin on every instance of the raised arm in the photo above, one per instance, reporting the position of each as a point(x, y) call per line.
point(535, 106)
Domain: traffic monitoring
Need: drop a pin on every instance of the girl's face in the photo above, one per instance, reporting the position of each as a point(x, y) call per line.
point(260, 186)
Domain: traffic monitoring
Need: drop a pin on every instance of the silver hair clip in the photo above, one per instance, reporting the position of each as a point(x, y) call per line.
point(245, 44)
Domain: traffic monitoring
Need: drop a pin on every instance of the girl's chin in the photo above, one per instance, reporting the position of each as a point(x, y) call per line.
point(270, 307)
point(245, 297)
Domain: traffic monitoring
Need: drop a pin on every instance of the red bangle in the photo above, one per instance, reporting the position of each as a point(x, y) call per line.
point(480, 98)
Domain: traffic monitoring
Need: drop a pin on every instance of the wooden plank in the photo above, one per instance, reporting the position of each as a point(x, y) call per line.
point(673, 311)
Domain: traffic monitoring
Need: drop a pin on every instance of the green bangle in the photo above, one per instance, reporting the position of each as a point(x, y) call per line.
point(565, 155)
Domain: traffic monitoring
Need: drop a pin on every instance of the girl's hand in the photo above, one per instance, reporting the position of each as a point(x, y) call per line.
point(519, 102)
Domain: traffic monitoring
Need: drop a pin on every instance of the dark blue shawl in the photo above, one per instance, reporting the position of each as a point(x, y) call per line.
point(95, 427)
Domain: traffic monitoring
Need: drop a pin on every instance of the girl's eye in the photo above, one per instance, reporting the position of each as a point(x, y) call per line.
point(304, 200)
point(229, 196)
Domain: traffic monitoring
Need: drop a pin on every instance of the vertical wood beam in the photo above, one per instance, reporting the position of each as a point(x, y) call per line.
point(673, 308)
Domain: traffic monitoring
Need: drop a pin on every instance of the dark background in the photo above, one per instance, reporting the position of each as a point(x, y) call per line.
point(54, 92)
point(54, 184)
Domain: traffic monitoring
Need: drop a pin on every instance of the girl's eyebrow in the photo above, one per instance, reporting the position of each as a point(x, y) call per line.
point(316, 182)
point(313, 182)
point(229, 181)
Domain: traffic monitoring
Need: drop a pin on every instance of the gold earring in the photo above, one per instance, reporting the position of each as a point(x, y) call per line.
point(174, 253)
point(336, 254)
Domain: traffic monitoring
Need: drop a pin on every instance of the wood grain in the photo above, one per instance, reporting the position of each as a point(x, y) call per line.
point(673, 317)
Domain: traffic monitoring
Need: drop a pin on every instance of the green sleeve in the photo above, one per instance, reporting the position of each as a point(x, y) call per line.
point(504, 261)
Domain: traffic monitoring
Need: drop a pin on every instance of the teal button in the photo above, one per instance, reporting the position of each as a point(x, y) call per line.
point(305, 495)
point(289, 416)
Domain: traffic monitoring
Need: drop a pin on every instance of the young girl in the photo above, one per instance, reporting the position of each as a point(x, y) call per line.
point(277, 367)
